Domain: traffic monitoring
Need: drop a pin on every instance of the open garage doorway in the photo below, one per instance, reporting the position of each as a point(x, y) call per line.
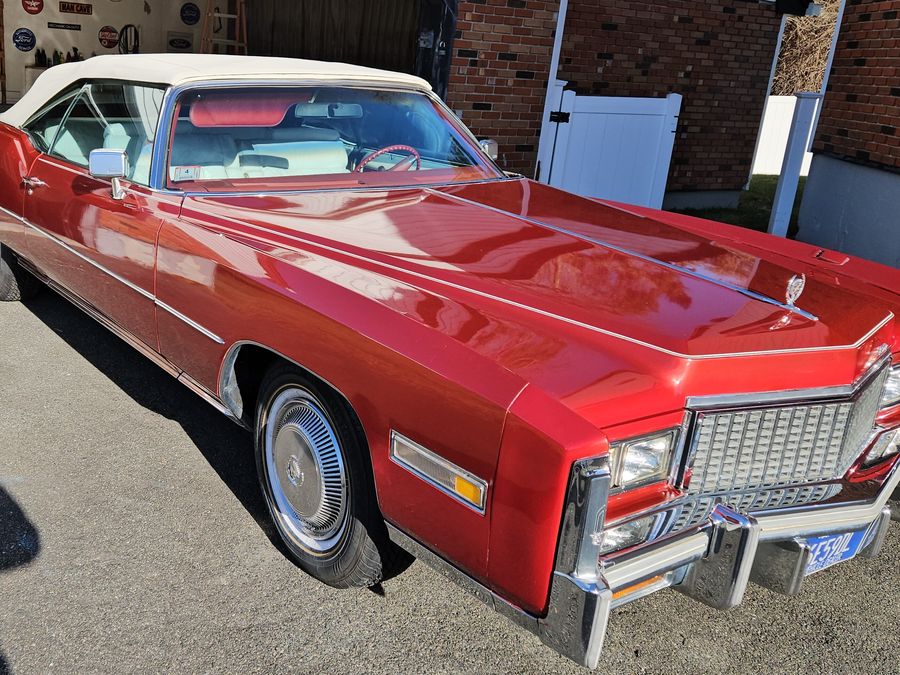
point(411, 36)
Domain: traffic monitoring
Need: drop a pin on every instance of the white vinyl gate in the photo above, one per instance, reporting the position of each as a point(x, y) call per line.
point(610, 147)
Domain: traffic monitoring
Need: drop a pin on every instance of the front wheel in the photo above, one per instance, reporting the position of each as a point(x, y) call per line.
point(15, 282)
point(315, 476)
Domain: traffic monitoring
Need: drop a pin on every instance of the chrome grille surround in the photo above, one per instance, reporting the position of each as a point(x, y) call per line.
point(779, 445)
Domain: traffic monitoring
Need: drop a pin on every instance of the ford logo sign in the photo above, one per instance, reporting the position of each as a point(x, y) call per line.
point(179, 43)
point(24, 39)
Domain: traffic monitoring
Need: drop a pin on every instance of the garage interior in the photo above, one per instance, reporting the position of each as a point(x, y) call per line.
point(412, 36)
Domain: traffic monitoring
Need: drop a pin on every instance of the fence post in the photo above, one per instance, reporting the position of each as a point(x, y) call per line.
point(560, 147)
point(664, 153)
point(548, 131)
point(801, 127)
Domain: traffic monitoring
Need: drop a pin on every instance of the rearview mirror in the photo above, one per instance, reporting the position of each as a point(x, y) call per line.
point(490, 146)
point(112, 164)
point(329, 110)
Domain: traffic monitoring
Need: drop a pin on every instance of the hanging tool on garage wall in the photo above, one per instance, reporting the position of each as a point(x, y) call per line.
point(233, 22)
point(129, 39)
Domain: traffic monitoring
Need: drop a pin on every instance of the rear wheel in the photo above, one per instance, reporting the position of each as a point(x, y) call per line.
point(15, 282)
point(316, 478)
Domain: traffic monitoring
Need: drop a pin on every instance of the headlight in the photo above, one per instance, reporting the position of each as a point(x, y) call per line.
point(625, 535)
point(642, 460)
point(886, 446)
point(891, 393)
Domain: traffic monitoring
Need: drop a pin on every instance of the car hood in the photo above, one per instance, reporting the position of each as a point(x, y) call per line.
point(550, 266)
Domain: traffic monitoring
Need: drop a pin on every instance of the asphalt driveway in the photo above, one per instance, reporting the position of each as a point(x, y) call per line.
point(132, 538)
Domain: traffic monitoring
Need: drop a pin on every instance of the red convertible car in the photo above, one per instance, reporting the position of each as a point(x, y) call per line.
point(566, 404)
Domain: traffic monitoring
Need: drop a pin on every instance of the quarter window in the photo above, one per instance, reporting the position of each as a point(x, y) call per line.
point(43, 127)
point(112, 116)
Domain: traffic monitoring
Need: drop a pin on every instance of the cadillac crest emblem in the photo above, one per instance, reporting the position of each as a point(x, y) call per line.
point(795, 289)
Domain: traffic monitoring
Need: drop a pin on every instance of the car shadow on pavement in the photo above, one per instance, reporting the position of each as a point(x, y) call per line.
point(225, 446)
point(20, 544)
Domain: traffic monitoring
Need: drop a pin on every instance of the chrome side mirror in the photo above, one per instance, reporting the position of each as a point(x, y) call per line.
point(490, 147)
point(111, 164)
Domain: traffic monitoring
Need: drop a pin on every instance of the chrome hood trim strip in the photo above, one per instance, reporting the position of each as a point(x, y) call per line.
point(640, 256)
point(574, 322)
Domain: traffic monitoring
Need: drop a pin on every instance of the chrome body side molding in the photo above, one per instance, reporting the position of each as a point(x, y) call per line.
point(125, 282)
point(134, 342)
point(107, 322)
point(188, 321)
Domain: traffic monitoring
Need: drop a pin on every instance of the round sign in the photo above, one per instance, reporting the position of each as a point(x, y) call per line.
point(190, 13)
point(24, 39)
point(108, 36)
point(33, 6)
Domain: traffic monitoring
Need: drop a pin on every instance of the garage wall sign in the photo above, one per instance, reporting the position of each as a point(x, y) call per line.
point(190, 13)
point(24, 39)
point(179, 42)
point(83, 8)
point(63, 26)
point(33, 6)
point(108, 36)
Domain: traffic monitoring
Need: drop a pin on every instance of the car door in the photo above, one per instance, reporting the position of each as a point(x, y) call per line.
point(100, 248)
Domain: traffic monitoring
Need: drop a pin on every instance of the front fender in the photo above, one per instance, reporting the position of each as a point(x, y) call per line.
point(542, 439)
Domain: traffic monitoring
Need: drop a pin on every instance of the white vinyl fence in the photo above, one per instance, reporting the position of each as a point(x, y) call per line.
point(616, 148)
point(773, 137)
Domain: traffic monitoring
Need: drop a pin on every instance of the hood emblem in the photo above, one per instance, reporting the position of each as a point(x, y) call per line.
point(795, 289)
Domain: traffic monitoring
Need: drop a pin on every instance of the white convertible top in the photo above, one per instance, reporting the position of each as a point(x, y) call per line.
point(176, 69)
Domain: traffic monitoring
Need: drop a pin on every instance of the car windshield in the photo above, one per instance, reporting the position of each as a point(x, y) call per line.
point(308, 137)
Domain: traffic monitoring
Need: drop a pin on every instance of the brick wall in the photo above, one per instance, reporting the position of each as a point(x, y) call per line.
point(861, 113)
point(718, 55)
point(498, 76)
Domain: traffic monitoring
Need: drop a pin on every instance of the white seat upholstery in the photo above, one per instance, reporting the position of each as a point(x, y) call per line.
point(201, 153)
point(66, 146)
point(115, 137)
point(139, 151)
point(306, 158)
point(202, 156)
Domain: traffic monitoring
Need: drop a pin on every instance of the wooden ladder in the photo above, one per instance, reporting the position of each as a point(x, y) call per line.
point(209, 44)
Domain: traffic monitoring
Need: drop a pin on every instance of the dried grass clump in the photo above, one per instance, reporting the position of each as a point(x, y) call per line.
point(804, 51)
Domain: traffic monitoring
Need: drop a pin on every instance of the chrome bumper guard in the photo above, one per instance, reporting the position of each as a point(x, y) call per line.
point(711, 562)
point(894, 503)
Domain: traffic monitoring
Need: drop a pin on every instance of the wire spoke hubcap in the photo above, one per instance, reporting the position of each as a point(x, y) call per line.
point(305, 470)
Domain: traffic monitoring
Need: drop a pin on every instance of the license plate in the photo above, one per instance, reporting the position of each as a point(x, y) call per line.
point(832, 549)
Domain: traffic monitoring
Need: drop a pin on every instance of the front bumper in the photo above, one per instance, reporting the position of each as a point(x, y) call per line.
point(711, 562)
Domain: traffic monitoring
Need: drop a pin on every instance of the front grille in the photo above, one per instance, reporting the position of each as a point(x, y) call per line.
point(774, 446)
point(695, 511)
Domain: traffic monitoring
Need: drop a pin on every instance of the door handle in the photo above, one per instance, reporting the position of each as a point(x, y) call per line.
point(30, 182)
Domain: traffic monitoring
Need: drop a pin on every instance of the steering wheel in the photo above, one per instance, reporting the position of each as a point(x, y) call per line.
point(402, 165)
